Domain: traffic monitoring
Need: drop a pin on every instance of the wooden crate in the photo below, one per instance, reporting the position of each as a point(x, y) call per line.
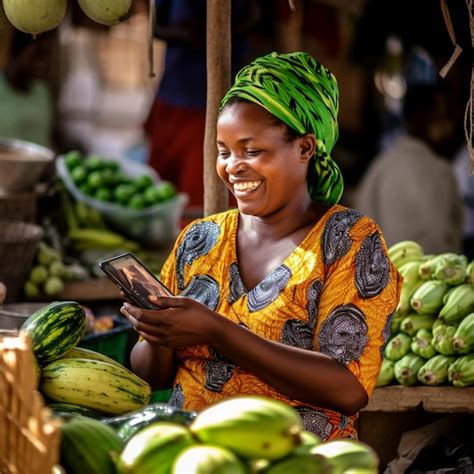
point(29, 434)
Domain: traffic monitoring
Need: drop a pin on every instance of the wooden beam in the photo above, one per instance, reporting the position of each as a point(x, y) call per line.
point(216, 197)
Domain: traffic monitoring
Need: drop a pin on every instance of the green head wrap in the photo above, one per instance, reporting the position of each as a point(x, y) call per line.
point(304, 95)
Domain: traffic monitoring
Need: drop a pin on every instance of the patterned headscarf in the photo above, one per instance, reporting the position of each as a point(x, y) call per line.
point(304, 95)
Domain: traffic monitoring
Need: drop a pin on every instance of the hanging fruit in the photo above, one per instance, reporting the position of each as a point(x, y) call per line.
point(35, 16)
point(106, 12)
point(4, 23)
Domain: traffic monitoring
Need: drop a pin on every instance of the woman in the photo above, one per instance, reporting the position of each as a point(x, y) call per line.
point(290, 295)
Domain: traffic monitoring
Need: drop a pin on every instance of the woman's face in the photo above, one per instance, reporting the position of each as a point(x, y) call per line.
point(263, 169)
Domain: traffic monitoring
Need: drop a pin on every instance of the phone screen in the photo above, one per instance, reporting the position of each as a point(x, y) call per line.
point(134, 279)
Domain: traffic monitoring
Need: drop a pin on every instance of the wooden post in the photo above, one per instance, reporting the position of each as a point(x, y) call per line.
point(216, 197)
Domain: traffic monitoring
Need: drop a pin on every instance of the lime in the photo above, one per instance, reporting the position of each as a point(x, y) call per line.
point(165, 190)
point(151, 196)
point(31, 290)
point(94, 163)
point(94, 180)
point(53, 286)
point(143, 181)
point(123, 192)
point(122, 178)
point(78, 174)
point(86, 189)
point(72, 159)
point(136, 202)
point(103, 194)
point(39, 274)
point(111, 165)
point(108, 176)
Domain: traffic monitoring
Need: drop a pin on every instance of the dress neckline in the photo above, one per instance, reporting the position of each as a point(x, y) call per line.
point(285, 263)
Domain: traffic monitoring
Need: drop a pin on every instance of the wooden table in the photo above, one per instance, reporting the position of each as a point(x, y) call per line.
point(395, 409)
point(443, 399)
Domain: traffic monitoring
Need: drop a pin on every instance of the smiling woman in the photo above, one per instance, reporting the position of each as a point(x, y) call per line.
point(289, 296)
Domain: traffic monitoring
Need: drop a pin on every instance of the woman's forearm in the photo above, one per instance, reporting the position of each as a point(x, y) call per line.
point(153, 363)
point(304, 375)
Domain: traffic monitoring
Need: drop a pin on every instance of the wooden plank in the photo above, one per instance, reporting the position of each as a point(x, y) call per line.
point(430, 399)
point(90, 290)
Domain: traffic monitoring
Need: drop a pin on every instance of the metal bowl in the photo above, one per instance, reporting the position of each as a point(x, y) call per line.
point(21, 164)
point(13, 315)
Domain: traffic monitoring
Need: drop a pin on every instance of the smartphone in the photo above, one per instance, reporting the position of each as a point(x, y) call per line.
point(134, 279)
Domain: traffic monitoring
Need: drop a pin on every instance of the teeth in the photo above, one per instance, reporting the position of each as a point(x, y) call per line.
point(247, 186)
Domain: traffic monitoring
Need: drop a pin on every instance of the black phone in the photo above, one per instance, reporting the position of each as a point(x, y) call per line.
point(134, 279)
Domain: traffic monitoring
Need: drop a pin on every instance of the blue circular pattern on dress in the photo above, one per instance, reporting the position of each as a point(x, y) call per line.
point(297, 333)
point(315, 421)
point(237, 288)
point(386, 332)
point(197, 241)
point(204, 289)
point(336, 240)
point(313, 294)
point(177, 397)
point(372, 267)
point(268, 289)
point(219, 370)
point(343, 334)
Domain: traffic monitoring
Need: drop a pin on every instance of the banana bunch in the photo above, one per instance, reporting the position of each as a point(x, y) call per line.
point(404, 252)
point(432, 329)
point(86, 229)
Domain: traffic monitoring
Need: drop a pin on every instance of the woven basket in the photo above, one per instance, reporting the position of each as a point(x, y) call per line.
point(18, 244)
point(29, 434)
point(18, 207)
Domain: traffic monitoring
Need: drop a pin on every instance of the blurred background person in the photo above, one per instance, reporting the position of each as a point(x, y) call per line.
point(26, 93)
point(465, 180)
point(410, 188)
point(176, 122)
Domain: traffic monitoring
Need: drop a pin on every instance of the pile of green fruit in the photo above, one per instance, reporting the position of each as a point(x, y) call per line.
point(236, 436)
point(432, 329)
point(104, 180)
point(49, 273)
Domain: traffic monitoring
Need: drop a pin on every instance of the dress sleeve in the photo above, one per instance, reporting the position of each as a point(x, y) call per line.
point(168, 273)
point(359, 296)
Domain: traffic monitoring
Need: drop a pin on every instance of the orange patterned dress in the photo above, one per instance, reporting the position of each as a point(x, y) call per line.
point(335, 294)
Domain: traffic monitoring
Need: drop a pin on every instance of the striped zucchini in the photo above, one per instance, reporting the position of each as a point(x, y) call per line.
point(55, 329)
point(94, 384)
point(82, 353)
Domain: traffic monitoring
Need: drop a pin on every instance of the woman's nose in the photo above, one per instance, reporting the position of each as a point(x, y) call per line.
point(235, 164)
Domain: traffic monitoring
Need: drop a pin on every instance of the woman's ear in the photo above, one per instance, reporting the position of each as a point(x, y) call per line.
point(307, 146)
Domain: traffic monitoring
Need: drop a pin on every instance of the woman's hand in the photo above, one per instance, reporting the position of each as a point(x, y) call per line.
point(178, 321)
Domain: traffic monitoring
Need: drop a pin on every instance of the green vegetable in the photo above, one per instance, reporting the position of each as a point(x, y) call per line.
point(39, 274)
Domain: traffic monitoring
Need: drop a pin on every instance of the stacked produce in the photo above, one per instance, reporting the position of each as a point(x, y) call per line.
point(104, 180)
point(76, 376)
point(49, 273)
point(128, 198)
point(237, 436)
point(432, 330)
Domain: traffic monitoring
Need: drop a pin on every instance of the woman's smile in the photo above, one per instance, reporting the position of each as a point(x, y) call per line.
point(244, 188)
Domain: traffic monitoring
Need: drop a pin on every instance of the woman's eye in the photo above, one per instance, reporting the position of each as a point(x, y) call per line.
point(222, 154)
point(253, 152)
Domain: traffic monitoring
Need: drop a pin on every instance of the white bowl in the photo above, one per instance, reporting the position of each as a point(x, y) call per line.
point(21, 164)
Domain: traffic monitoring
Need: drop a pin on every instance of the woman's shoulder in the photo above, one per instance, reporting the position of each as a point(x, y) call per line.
point(211, 226)
point(341, 222)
